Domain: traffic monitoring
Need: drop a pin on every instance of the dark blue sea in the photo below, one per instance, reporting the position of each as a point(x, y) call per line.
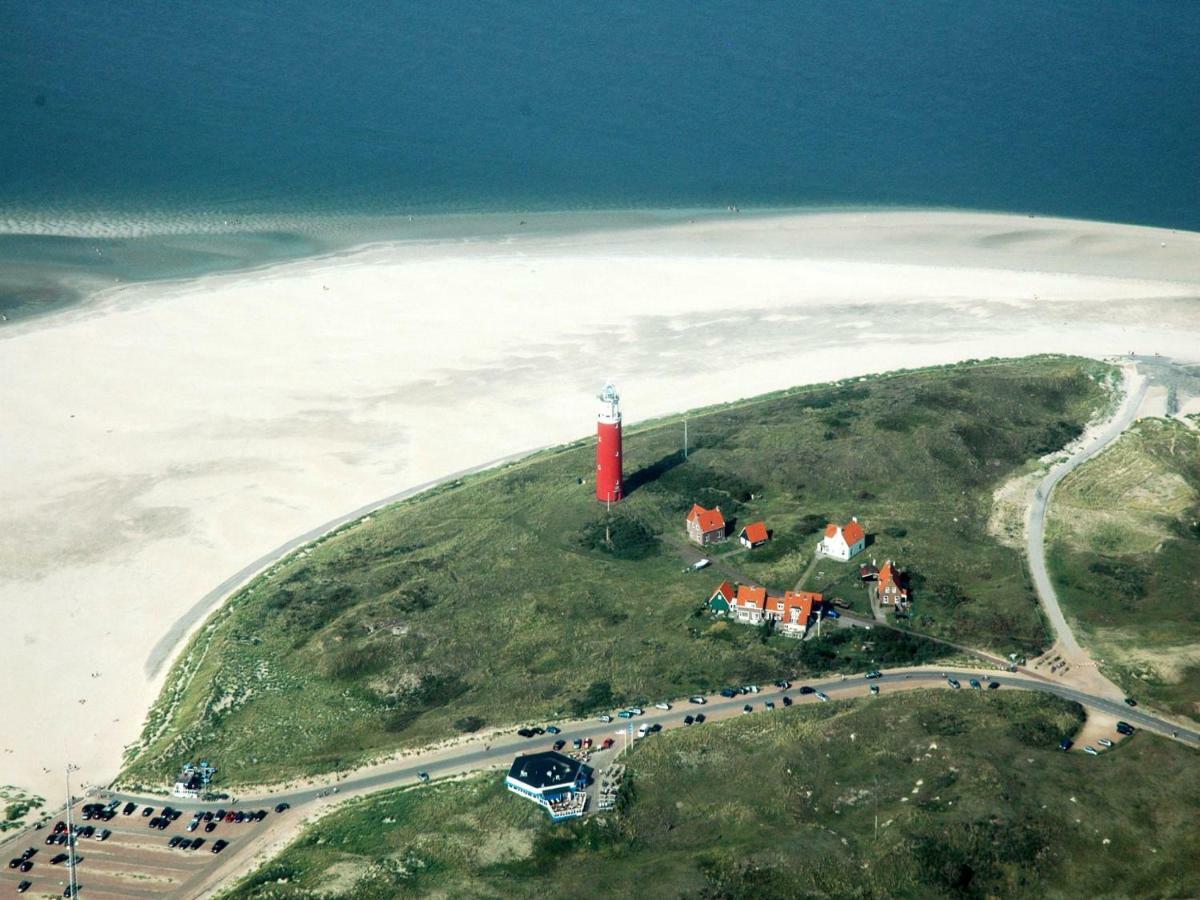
point(146, 139)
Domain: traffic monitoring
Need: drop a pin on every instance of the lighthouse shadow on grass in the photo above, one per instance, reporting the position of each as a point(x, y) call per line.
point(651, 473)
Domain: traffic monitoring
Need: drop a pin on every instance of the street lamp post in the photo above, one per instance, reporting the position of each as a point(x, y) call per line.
point(74, 885)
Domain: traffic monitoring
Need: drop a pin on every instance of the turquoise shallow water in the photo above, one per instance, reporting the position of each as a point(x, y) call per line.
point(325, 120)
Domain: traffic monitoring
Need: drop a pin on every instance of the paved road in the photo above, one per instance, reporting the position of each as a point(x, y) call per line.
point(1135, 392)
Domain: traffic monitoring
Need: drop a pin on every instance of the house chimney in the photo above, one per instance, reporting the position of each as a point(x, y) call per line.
point(854, 518)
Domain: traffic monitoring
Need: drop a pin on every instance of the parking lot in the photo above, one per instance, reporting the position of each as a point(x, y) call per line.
point(134, 861)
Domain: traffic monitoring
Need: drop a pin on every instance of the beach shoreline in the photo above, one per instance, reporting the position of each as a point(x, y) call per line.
point(163, 434)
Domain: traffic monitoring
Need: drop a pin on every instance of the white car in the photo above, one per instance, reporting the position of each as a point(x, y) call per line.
point(662, 705)
point(606, 718)
point(642, 730)
point(1091, 750)
point(1105, 742)
point(636, 710)
point(697, 700)
point(823, 697)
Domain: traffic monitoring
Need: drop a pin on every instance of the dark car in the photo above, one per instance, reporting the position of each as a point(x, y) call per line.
point(728, 692)
point(260, 815)
point(1125, 728)
point(129, 808)
point(1130, 701)
point(197, 843)
point(688, 720)
point(26, 865)
point(874, 673)
point(51, 838)
point(787, 701)
point(538, 731)
point(58, 858)
point(67, 892)
point(210, 826)
point(783, 684)
point(62, 838)
point(525, 732)
point(282, 806)
point(558, 745)
point(992, 685)
point(208, 816)
point(88, 831)
point(163, 822)
point(173, 814)
point(240, 817)
point(24, 886)
point(60, 826)
point(747, 708)
point(807, 690)
point(1066, 744)
point(219, 814)
point(219, 846)
point(14, 862)
point(147, 810)
point(175, 841)
point(699, 719)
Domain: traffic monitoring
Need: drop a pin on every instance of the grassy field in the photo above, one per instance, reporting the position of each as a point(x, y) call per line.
point(1125, 556)
point(971, 798)
point(497, 599)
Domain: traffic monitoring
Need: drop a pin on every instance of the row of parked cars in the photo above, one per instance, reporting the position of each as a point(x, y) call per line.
point(1123, 728)
point(184, 843)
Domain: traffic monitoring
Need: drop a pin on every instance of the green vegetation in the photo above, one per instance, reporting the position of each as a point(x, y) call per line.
point(15, 805)
point(971, 797)
point(505, 596)
point(1125, 556)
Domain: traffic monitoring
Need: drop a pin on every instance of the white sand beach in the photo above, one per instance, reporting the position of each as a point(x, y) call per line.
point(164, 437)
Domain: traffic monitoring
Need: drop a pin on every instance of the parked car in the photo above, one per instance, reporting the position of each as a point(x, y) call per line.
point(30, 851)
point(104, 835)
point(636, 710)
point(747, 708)
point(805, 689)
point(60, 826)
point(832, 614)
point(88, 831)
point(23, 886)
point(559, 744)
point(1130, 701)
point(608, 742)
point(210, 826)
point(975, 684)
point(783, 685)
point(874, 689)
point(953, 682)
point(577, 743)
point(51, 838)
point(728, 692)
point(698, 700)
point(525, 732)
point(280, 807)
point(175, 841)
point(219, 846)
point(787, 701)
point(197, 843)
point(822, 696)
point(58, 858)
point(1066, 744)
point(147, 811)
point(662, 705)
point(553, 729)
point(688, 720)
point(751, 689)
point(606, 718)
point(1105, 742)
point(874, 673)
point(643, 730)
point(26, 865)
point(129, 808)
point(14, 862)
point(625, 714)
point(699, 719)
point(1092, 750)
point(537, 729)
point(992, 685)
point(1125, 728)
point(193, 825)
point(769, 705)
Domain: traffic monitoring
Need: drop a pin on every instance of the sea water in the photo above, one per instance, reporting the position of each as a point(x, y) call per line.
point(147, 139)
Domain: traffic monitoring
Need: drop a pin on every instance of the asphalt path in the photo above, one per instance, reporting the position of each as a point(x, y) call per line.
point(1036, 534)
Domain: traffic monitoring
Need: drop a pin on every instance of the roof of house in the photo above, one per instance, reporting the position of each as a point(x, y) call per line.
point(803, 602)
point(776, 603)
point(709, 519)
point(755, 532)
point(748, 596)
point(852, 532)
point(889, 577)
point(725, 589)
point(545, 770)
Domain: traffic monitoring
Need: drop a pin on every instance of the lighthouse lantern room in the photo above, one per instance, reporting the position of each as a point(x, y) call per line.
point(608, 446)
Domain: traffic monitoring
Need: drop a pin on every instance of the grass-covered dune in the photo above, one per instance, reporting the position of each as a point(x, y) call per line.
point(1125, 556)
point(498, 600)
point(971, 798)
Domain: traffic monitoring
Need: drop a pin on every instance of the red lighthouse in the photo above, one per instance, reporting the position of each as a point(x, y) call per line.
point(608, 446)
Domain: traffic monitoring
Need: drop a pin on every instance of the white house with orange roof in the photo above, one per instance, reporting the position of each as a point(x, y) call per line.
point(799, 607)
point(842, 542)
point(705, 526)
point(749, 605)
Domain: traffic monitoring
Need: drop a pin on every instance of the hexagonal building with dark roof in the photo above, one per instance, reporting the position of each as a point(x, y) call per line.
point(551, 780)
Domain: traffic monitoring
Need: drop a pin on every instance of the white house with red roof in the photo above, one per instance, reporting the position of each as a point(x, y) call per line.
point(799, 607)
point(842, 542)
point(705, 526)
point(749, 605)
point(754, 535)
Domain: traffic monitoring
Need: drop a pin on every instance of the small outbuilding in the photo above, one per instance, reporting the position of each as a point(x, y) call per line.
point(754, 535)
point(705, 526)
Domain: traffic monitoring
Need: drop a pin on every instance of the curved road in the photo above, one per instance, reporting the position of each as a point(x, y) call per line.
point(1035, 541)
